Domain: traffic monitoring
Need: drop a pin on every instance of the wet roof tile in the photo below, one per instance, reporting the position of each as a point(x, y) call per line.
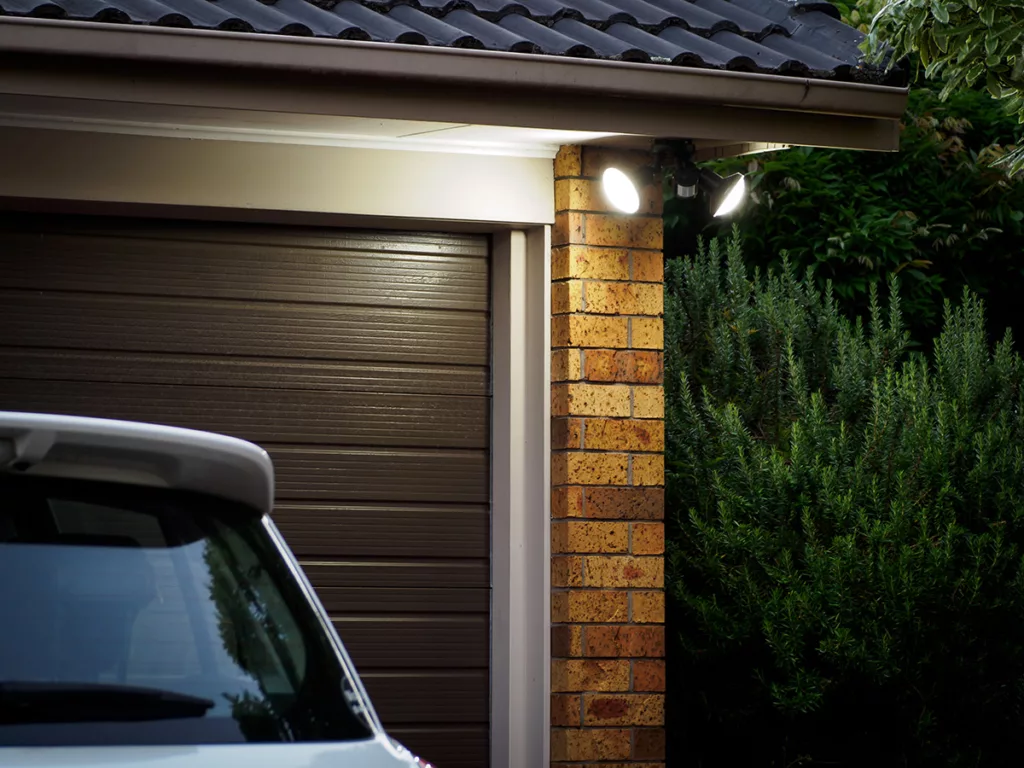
point(784, 37)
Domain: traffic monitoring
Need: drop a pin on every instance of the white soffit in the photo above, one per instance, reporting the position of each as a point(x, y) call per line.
point(284, 128)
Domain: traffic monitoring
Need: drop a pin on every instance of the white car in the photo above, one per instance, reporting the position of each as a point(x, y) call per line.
point(152, 615)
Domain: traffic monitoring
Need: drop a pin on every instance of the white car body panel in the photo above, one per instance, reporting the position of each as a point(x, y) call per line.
point(137, 454)
point(375, 753)
point(44, 445)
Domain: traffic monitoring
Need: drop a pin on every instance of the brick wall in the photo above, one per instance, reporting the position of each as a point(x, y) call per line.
point(607, 468)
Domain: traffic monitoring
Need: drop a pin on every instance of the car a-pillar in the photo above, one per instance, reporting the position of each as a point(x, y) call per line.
point(607, 469)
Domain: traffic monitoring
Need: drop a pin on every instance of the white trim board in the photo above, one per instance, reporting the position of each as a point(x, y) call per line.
point(225, 174)
point(520, 500)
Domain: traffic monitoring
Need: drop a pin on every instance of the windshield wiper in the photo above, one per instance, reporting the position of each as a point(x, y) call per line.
point(24, 702)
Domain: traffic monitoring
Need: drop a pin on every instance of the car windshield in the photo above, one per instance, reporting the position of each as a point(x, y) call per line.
point(146, 616)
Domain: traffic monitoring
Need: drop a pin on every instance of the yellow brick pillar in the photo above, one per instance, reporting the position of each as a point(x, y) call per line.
point(607, 468)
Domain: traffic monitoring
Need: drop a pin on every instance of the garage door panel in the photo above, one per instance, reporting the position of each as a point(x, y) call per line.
point(403, 600)
point(346, 530)
point(354, 474)
point(405, 574)
point(360, 361)
point(272, 416)
point(436, 744)
point(253, 373)
point(71, 321)
point(342, 270)
point(446, 696)
point(376, 642)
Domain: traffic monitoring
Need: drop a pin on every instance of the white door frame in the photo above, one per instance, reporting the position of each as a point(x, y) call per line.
point(520, 499)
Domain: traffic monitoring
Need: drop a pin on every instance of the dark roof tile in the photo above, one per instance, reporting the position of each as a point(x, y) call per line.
point(546, 39)
point(377, 26)
point(764, 59)
point(748, 23)
point(694, 17)
point(711, 52)
point(604, 45)
point(262, 18)
point(434, 30)
point(815, 60)
point(490, 35)
point(783, 37)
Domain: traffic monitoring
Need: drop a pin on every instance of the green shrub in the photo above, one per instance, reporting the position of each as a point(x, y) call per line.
point(938, 215)
point(846, 528)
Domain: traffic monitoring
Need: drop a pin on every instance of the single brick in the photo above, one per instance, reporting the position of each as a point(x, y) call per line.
point(590, 400)
point(566, 502)
point(595, 159)
point(624, 435)
point(619, 365)
point(649, 744)
point(648, 266)
point(590, 468)
point(567, 297)
point(647, 539)
point(624, 642)
point(568, 433)
point(647, 333)
point(579, 261)
point(590, 744)
point(566, 365)
point(589, 331)
point(625, 503)
point(581, 195)
point(648, 402)
point(623, 571)
point(589, 675)
point(589, 607)
point(569, 161)
point(589, 536)
point(623, 298)
point(566, 640)
point(566, 571)
point(648, 675)
point(612, 230)
point(568, 229)
point(648, 470)
point(623, 709)
point(647, 607)
point(566, 710)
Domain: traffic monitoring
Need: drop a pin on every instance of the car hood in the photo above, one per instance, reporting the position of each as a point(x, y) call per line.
point(374, 753)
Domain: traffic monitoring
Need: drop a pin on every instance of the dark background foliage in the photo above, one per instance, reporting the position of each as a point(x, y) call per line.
point(846, 530)
point(938, 215)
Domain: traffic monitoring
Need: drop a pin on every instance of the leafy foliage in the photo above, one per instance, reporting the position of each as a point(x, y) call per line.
point(939, 215)
point(859, 13)
point(846, 543)
point(964, 43)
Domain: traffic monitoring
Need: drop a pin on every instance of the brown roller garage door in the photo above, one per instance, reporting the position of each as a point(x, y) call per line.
point(358, 360)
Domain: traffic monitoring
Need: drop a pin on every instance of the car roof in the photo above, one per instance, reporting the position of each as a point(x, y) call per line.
point(49, 445)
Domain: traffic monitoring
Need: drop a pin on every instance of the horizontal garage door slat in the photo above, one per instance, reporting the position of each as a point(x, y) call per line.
point(452, 697)
point(166, 369)
point(257, 329)
point(365, 418)
point(405, 574)
point(332, 531)
point(221, 268)
point(358, 474)
point(418, 641)
point(407, 600)
point(358, 360)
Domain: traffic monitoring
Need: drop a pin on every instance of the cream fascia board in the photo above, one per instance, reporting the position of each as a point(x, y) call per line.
point(231, 175)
